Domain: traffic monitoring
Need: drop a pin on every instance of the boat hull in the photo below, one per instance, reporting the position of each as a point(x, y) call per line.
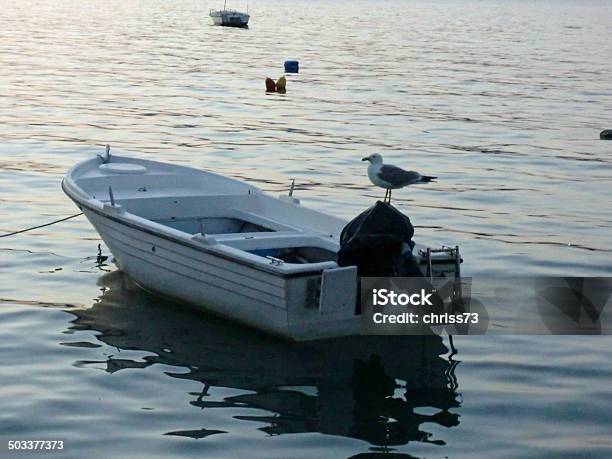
point(224, 287)
point(202, 279)
point(230, 19)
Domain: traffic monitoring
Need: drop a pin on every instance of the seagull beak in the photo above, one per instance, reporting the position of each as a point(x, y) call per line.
point(367, 158)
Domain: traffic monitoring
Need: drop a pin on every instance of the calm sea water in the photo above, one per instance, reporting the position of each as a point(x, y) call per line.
point(503, 101)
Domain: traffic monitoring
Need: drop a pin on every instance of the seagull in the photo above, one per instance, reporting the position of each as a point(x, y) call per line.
point(391, 177)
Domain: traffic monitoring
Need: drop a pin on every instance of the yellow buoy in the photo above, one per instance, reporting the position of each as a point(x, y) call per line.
point(281, 84)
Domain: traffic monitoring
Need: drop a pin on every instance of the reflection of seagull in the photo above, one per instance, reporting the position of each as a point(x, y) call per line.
point(391, 177)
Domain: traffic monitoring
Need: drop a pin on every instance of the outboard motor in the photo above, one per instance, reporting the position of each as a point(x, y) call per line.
point(379, 242)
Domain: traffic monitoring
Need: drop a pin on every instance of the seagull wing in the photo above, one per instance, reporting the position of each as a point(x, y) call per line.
point(398, 176)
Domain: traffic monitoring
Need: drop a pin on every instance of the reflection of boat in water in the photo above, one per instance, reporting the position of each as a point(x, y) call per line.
point(361, 387)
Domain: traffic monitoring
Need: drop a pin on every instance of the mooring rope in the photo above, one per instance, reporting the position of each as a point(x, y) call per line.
point(41, 226)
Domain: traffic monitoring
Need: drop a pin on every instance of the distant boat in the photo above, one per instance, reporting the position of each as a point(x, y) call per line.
point(229, 18)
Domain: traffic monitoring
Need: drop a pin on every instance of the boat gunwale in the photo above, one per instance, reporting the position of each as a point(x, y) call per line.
point(272, 269)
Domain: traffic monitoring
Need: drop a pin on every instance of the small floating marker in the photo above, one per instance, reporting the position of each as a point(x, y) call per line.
point(100, 258)
point(292, 66)
point(281, 85)
point(270, 85)
point(606, 134)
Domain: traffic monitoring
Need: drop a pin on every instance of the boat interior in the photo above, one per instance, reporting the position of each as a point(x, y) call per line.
point(244, 222)
point(211, 208)
point(200, 203)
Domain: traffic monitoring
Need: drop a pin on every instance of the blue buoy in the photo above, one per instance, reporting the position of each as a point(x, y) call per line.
point(292, 66)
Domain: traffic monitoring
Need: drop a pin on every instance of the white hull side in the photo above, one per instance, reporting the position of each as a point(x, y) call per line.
point(206, 281)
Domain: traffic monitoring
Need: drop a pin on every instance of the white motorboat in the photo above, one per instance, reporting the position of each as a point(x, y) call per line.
point(226, 246)
point(229, 18)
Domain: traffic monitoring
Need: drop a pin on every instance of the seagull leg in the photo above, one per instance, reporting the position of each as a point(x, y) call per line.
point(386, 193)
point(389, 196)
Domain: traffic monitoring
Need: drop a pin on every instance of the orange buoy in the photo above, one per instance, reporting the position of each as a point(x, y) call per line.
point(270, 85)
